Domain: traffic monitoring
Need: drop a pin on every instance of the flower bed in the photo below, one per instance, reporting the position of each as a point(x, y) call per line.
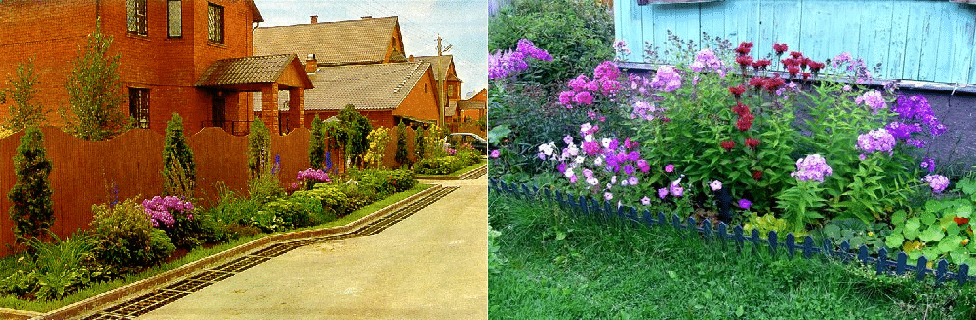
point(775, 143)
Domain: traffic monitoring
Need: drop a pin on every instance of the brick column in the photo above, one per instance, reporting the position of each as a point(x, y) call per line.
point(269, 108)
point(296, 107)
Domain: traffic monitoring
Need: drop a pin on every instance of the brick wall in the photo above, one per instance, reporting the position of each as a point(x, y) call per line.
point(421, 102)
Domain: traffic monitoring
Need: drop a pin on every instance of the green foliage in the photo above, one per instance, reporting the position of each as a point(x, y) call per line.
point(23, 88)
point(287, 213)
point(439, 166)
point(357, 129)
point(94, 96)
point(495, 260)
point(265, 187)
point(316, 144)
point(179, 169)
point(419, 149)
point(799, 204)
point(32, 209)
point(577, 33)
point(767, 223)
point(59, 268)
point(258, 149)
point(942, 230)
point(334, 202)
point(231, 213)
point(856, 232)
point(401, 155)
point(124, 237)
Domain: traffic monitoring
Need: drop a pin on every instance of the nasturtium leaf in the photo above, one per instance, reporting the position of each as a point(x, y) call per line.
point(967, 185)
point(949, 244)
point(964, 211)
point(933, 233)
point(952, 228)
point(971, 245)
point(894, 241)
point(912, 224)
point(498, 133)
point(832, 231)
point(911, 234)
point(934, 206)
point(927, 218)
point(898, 218)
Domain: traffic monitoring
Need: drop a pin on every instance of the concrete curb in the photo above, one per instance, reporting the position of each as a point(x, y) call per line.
point(94, 303)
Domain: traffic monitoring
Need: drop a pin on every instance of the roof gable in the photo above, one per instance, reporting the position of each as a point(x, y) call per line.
point(378, 86)
point(443, 66)
point(361, 41)
point(252, 70)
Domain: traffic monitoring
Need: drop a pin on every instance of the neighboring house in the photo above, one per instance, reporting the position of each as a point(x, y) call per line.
point(473, 108)
point(384, 93)
point(165, 48)
point(448, 83)
point(365, 41)
point(930, 41)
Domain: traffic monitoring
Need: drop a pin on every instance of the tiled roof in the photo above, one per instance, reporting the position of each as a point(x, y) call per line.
point(375, 86)
point(472, 104)
point(333, 43)
point(440, 65)
point(261, 69)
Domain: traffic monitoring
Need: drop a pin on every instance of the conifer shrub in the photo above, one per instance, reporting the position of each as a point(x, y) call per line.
point(32, 210)
point(179, 168)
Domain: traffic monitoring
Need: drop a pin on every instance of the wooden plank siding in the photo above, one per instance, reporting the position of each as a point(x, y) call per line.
point(924, 40)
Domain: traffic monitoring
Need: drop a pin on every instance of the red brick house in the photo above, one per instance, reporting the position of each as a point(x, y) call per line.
point(358, 62)
point(165, 47)
point(449, 85)
point(474, 108)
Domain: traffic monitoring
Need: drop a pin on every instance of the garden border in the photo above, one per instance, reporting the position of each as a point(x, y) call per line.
point(142, 286)
point(603, 211)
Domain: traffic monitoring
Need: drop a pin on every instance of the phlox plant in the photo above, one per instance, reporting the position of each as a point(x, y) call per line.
point(161, 210)
point(307, 178)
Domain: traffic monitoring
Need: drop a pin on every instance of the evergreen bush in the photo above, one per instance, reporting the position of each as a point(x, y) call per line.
point(179, 168)
point(32, 210)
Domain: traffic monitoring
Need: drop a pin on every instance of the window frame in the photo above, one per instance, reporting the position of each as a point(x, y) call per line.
point(137, 24)
point(170, 19)
point(215, 26)
point(139, 106)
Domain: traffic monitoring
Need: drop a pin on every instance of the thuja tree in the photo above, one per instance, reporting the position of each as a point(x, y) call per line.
point(32, 210)
point(316, 144)
point(179, 169)
point(258, 148)
point(401, 148)
point(357, 129)
point(94, 96)
point(22, 89)
point(419, 147)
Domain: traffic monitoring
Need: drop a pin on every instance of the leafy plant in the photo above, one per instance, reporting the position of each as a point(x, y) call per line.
point(401, 154)
point(93, 87)
point(942, 230)
point(32, 210)
point(378, 139)
point(357, 129)
point(179, 169)
point(419, 148)
point(23, 88)
point(124, 237)
point(316, 144)
point(258, 149)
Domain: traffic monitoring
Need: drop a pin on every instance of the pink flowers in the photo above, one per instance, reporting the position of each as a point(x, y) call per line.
point(876, 140)
point(752, 143)
point(666, 79)
point(715, 185)
point(504, 64)
point(161, 209)
point(812, 167)
point(317, 175)
point(937, 182)
point(728, 145)
point(737, 91)
point(780, 48)
point(872, 98)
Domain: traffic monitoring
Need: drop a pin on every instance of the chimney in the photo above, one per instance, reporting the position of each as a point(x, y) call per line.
point(411, 58)
point(315, 19)
point(367, 17)
point(310, 64)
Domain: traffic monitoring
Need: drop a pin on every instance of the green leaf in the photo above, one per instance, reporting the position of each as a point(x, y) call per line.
point(498, 133)
point(898, 218)
point(832, 231)
point(949, 244)
point(894, 241)
point(928, 218)
point(934, 206)
point(912, 224)
point(964, 211)
point(959, 258)
point(933, 233)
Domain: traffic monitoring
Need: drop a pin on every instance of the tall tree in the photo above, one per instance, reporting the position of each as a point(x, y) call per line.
point(401, 148)
point(32, 210)
point(357, 129)
point(179, 169)
point(94, 98)
point(22, 90)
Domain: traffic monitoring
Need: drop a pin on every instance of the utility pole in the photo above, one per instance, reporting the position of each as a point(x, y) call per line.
point(441, 85)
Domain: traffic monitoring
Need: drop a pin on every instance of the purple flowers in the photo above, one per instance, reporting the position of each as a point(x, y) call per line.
point(666, 79)
point(872, 98)
point(312, 175)
point(812, 167)
point(161, 209)
point(706, 60)
point(504, 64)
point(876, 140)
point(744, 204)
point(928, 164)
point(937, 182)
point(582, 89)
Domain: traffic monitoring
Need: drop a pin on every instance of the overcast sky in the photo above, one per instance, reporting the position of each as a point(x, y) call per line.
point(461, 23)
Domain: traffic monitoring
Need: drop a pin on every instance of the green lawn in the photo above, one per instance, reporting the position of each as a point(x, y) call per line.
point(560, 267)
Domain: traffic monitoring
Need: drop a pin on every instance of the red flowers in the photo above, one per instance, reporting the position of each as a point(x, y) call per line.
point(780, 48)
point(744, 48)
point(796, 55)
point(741, 109)
point(760, 64)
point(744, 61)
point(771, 84)
point(756, 175)
point(737, 91)
point(752, 143)
point(745, 122)
point(728, 145)
point(756, 82)
point(793, 70)
point(960, 221)
point(815, 67)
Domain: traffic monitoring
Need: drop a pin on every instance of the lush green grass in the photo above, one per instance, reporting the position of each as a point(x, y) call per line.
point(9, 301)
point(455, 174)
point(561, 267)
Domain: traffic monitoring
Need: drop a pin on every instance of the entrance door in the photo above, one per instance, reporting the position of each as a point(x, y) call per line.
point(218, 112)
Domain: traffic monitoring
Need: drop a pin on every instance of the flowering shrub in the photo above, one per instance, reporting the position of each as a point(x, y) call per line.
point(175, 216)
point(125, 239)
point(505, 64)
point(307, 178)
point(379, 138)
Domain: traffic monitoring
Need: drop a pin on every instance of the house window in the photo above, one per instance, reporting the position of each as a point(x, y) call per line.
point(215, 23)
point(136, 16)
point(450, 90)
point(139, 107)
point(175, 14)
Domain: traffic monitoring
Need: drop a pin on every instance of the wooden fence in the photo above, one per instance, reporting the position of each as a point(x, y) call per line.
point(85, 171)
point(605, 212)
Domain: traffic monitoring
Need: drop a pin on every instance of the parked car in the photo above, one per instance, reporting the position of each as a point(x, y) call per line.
point(478, 143)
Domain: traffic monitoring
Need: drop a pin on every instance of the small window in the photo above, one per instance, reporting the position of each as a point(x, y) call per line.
point(175, 14)
point(215, 23)
point(136, 17)
point(450, 90)
point(139, 107)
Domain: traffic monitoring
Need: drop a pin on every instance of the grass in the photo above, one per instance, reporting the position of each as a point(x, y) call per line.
point(9, 301)
point(562, 267)
point(455, 174)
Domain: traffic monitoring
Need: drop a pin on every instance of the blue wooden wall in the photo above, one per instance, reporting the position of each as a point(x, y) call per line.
point(923, 40)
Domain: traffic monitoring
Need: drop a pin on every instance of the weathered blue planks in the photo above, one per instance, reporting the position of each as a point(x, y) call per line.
point(912, 39)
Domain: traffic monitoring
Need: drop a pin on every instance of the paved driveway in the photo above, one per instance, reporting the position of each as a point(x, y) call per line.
point(431, 265)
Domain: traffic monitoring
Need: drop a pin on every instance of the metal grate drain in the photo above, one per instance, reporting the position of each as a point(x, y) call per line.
point(148, 302)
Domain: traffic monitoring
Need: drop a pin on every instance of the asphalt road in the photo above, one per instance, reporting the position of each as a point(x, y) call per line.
point(431, 265)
